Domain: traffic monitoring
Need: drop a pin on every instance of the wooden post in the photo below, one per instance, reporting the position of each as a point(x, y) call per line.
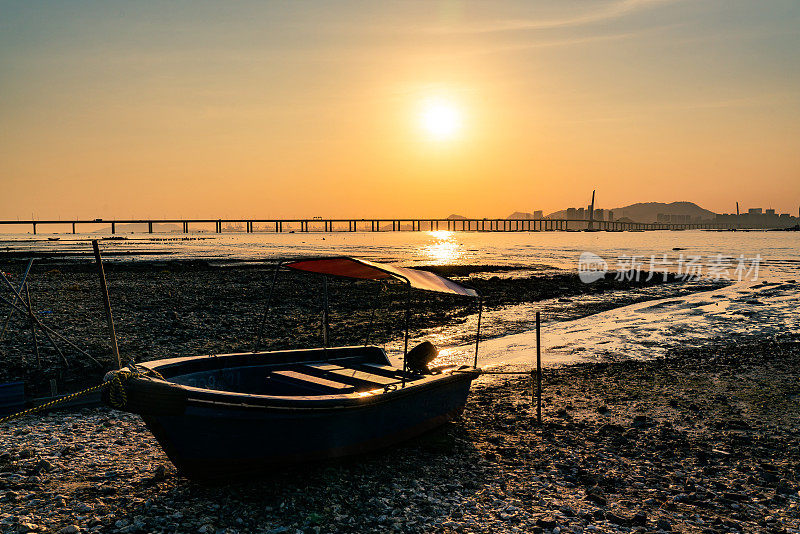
point(538, 370)
point(150, 227)
point(34, 228)
point(104, 288)
point(113, 228)
point(73, 228)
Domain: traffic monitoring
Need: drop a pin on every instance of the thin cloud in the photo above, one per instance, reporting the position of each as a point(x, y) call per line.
point(609, 11)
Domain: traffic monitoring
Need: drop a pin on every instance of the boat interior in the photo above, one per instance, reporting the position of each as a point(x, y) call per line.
point(312, 372)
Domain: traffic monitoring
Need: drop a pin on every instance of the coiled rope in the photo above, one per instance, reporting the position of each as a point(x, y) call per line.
point(117, 396)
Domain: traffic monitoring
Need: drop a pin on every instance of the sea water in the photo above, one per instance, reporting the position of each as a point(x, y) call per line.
point(762, 268)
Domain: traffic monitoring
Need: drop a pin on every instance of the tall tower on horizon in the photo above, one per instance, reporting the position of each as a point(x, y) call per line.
point(591, 212)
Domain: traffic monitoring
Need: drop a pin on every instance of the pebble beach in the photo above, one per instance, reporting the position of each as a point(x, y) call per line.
point(701, 440)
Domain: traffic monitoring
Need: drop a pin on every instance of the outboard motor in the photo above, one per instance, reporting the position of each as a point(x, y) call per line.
point(420, 356)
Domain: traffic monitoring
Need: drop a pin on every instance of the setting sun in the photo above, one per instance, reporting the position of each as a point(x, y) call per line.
point(441, 119)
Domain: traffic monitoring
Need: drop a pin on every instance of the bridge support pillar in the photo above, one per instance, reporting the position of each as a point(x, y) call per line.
point(150, 227)
point(113, 228)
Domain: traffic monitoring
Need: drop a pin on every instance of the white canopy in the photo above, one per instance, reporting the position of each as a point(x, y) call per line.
point(369, 270)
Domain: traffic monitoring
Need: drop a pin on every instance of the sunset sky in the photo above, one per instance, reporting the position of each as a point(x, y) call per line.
point(359, 109)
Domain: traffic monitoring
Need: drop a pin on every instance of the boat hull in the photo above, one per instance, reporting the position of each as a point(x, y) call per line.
point(238, 415)
point(213, 443)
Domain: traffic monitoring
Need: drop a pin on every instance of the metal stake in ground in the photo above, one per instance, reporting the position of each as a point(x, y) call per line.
point(33, 326)
point(46, 329)
point(16, 296)
point(104, 288)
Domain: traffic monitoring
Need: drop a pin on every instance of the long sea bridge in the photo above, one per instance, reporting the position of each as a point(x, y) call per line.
point(370, 225)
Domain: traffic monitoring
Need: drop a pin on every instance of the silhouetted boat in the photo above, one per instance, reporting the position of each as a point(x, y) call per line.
point(222, 416)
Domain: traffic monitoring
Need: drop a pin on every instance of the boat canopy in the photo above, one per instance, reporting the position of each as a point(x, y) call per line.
point(369, 270)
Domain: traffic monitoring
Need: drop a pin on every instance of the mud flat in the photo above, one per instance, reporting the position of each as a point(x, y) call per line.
point(705, 440)
point(179, 308)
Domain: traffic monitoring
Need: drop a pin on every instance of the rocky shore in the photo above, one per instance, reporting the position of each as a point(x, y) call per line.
point(706, 440)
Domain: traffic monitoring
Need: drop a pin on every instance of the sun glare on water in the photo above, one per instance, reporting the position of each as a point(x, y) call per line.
point(444, 250)
point(441, 119)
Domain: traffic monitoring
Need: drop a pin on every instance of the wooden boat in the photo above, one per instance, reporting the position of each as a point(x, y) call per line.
point(228, 415)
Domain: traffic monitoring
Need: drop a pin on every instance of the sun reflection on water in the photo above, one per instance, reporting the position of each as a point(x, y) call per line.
point(445, 250)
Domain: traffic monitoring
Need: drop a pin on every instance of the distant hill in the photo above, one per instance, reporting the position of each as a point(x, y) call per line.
point(454, 216)
point(520, 215)
point(647, 212)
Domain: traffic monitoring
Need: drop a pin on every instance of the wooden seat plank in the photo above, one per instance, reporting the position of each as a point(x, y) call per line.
point(324, 382)
point(386, 370)
point(365, 376)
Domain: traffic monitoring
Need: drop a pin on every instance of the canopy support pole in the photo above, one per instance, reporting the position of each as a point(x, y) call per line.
point(405, 348)
point(478, 333)
point(372, 315)
point(325, 326)
point(266, 308)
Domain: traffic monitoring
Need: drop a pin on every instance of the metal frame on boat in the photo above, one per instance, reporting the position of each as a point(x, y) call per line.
point(219, 416)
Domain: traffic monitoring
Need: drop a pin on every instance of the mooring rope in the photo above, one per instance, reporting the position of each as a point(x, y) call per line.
point(117, 396)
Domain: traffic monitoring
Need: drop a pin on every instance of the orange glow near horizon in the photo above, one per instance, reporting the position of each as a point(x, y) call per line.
point(395, 110)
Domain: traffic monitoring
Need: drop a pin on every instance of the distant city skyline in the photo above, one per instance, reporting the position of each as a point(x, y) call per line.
point(369, 109)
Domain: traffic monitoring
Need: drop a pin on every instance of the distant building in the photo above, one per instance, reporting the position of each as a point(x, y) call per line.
point(579, 214)
point(770, 211)
point(598, 214)
point(588, 212)
point(538, 214)
point(610, 215)
point(662, 217)
point(754, 211)
point(572, 213)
